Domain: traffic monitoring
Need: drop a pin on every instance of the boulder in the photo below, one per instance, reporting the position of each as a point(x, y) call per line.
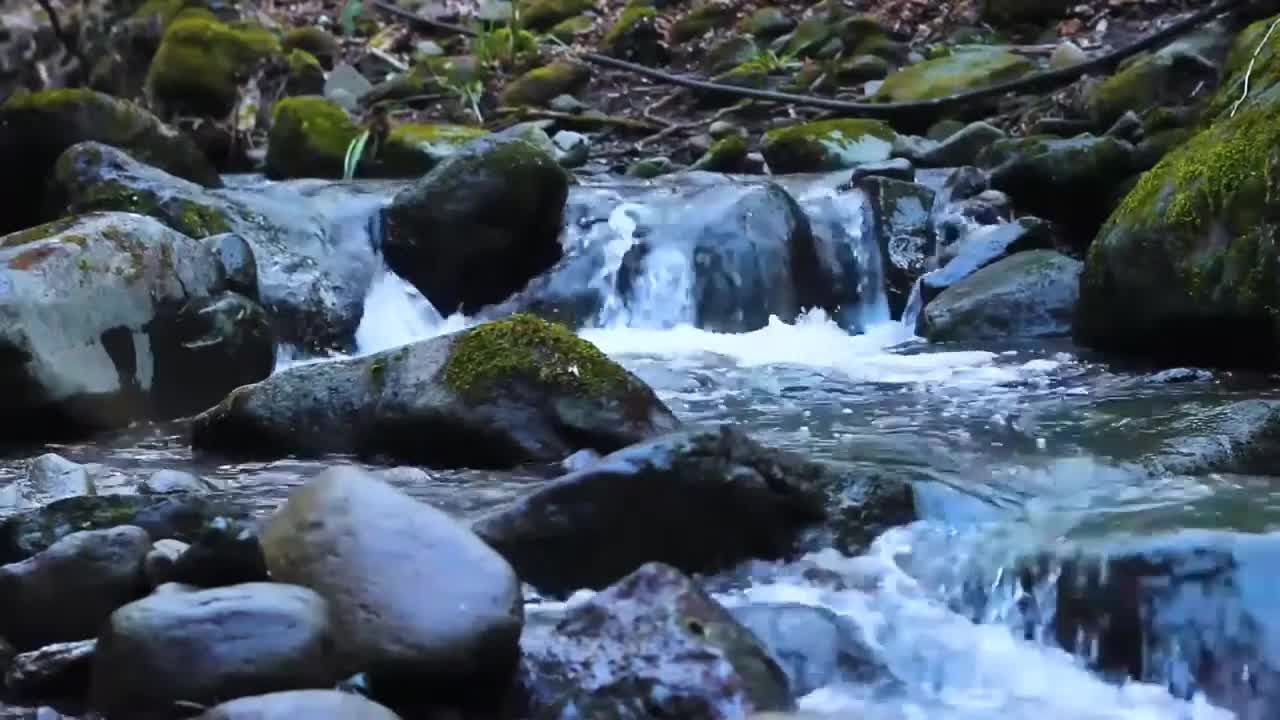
point(699, 20)
point(36, 128)
point(634, 36)
point(309, 138)
point(238, 262)
point(1240, 438)
point(49, 477)
point(540, 85)
point(480, 225)
point(963, 147)
point(543, 14)
point(206, 645)
point(814, 646)
point(1029, 294)
point(827, 145)
point(1074, 182)
point(181, 516)
point(1185, 269)
point(66, 592)
point(500, 394)
point(981, 248)
point(201, 63)
point(417, 600)
point(654, 644)
point(699, 500)
point(1166, 77)
point(54, 672)
point(294, 704)
point(112, 317)
point(964, 69)
point(227, 552)
point(899, 217)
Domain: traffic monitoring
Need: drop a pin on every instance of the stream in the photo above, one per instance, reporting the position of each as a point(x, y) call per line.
point(1015, 449)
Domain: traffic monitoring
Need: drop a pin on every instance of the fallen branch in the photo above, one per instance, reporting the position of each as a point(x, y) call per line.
point(59, 32)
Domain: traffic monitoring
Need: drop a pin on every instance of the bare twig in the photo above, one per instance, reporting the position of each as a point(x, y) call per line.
point(1249, 72)
point(388, 59)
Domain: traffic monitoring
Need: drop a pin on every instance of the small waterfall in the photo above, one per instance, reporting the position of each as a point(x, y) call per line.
point(396, 314)
point(915, 305)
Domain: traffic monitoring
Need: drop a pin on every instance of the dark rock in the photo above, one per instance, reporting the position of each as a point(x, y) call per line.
point(700, 501)
point(417, 599)
point(129, 294)
point(182, 517)
point(226, 553)
point(201, 63)
point(1029, 294)
point(503, 393)
point(827, 145)
point(816, 647)
point(1014, 12)
point(159, 563)
point(35, 128)
point(729, 53)
point(899, 219)
point(1168, 76)
point(211, 644)
point(767, 23)
point(1127, 127)
point(1240, 437)
point(983, 247)
point(53, 672)
point(635, 37)
point(297, 704)
point(966, 182)
point(67, 591)
point(541, 85)
point(963, 147)
point(480, 225)
point(323, 46)
point(653, 645)
point(238, 262)
point(894, 169)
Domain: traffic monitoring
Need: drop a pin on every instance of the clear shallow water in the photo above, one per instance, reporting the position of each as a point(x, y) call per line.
point(1015, 448)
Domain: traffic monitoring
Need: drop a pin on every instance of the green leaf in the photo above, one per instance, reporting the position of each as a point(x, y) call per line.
point(354, 151)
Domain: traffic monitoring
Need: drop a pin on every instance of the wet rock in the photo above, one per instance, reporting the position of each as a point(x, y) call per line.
point(699, 501)
point(766, 23)
point(654, 644)
point(983, 247)
point(1073, 182)
point(294, 704)
point(540, 85)
point(99, 318)
point(201, 63)
point(962, 148)
point(895, 169)
point(227, 552)
point(966, 182)
point(827, 145)
point(163, 482)
point(503, 393)
point(56, 671)
point(315, 41)
point(543, 14)
point(50, 477)
point(309, 138)
point(211, 644)
point(572, 149)
point(416, 598)
point(479, 225)
point(634, 36)
point(650, 168)
point(814, 646)
point(700, 19)
point(36, 128)
point(238, 263)
point(1030, 294)
point(181, 516)
point(968, 68)
point(863, 68)
point(899, 219)
point(1240, 437)
point(158, 565)
point(67, 591)
point(1190, 611)
point(728, 155)
point(1165, 77)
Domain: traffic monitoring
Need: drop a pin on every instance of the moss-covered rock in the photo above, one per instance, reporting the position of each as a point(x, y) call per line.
point(413, 149)
point(1167, 77)
point(827, 145)
point(543, 14)
point(649, 168)
point(750, 74)
point(566, 31)
point(314, 40)
point(540, 85)
point(306, 76)
point(507, 47)
point(1029, 294)
point(1265, 74)
point(766, 23)
point(1186, 268)
point(699, 20)
point(958, 72)
point(35, 128)
point(1014, 12)
point(201, 62)
point(729, 53)
point(309, 138)
point(811, 35)
point(634, 36)
point(863, 68)
point(727, 155)
point(427, 76)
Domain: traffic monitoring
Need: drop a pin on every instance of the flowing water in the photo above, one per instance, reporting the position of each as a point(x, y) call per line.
point(1015, 449)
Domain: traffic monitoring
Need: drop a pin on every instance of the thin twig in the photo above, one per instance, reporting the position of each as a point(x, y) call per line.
point(388, 59)
point(1249, 73)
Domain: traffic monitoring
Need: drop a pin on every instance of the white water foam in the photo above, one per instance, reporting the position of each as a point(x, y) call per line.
point(396, 314)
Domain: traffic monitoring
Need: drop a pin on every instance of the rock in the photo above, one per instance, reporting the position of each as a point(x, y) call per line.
point(1165, 77)
point(569, 31)
point(316, 42)
point(634, 36)
point(294, 704)
point(895, 169)
point(503, 393)
point(1127, 127)
point(899, 218)
point(727, 156)
point(656, 630)
point(722, 129)
point(811, 35)
point(827, 145)
point(158, 565)
point(699, 20)
point(110, 321)
point(56, 477)
point(863, 68)
point(966, 182)
point(1067, 54)
point(1235, 438)
point(309, 138)
point(1248, 51)
point(649, 168)
point(56, 671)
point(730, 53)
point(36, 128)
point(413, 149)
point(415, 597)
point(965, 69)
point(480, 225)
point(1029, 294)
point(709, 498)
point(572, 149)
point(1014, 12)
point(207, 645)
point(766, 23)
point(175, 481)
point(543, 14)
point(202, 61)
point(814, 646)
point(181, 516)
point(227, 552)
point(238, 263)
point(962, 148)
point(538, 86)
point(306, 74)
point(66, 592)
point(983, 247)
point(345, 86)
point(1073, 182)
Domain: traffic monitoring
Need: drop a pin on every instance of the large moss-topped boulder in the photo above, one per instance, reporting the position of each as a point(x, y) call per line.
point(544, 14)
point(963, 70)
point(202, 61)
point(827, 145)
point(1186, 267)
point(36, 127)
point(500, 394)
point(309, 138)
point(540, 85)
point(1167, 77)
point(480, 225)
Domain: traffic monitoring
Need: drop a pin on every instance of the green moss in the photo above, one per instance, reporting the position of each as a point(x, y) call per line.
point(200, 63)
point(827, 145)
point(627, 23)
point(306, 76)
point(725, 155)
point(699, 20)
point(540, 85)
point(567, 31)
point(811, 35)
point(767, 22)
point(309, 138)
point(414, 148)
point(322, 45)
point(751, 74)
point(37, 233)
point(170, 10)
point(956, 73)
point(542, 14)
point(526, 348)
point(1265, 74)
point(506, 47)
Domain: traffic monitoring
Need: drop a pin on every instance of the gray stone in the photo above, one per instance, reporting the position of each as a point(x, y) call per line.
point(163, 482)
point(1030, 294)
point(55, 671)
point(212, 644)
point(899, 219)
point(414, 595)
point(981, 248)
point(56, 477)
point(896, 169)
point(300, 704)
point(816, 647)
point(66, 592)
point(962, 148)
point(572, 149)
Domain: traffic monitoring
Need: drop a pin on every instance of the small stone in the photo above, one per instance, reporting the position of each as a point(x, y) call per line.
point(572, 149)
point(722, 129)
point(344, 86)
point(226, 553)
point(1067, 54)
point(649, 168)
point(163, 482)
point(567, 104)
point(895, 168)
